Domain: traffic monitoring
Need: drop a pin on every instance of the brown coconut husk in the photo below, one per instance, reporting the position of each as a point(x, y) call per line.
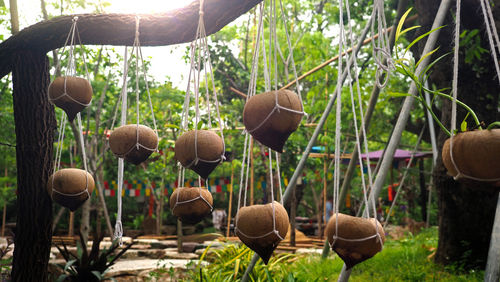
point(276, 130)
point(351, 227)
point(122, 142)
point(71, 181)
point(476, 153)
point(210, 148)
point(195, 210)
point(77, 88)
point(257, 220)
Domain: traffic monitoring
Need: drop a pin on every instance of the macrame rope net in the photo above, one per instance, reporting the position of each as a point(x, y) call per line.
point(274, 46)
point(350, 77)
point(73, 36)
point(71, 71)
point(123, 98)
point(270, 62)
point(494, 41)
point(200, 67)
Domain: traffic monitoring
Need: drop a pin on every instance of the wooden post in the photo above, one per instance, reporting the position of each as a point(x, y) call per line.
point(71, 223)
point(251, 172)
point(293, 211)
point(230, 201)
point(324, 166)
point(179, 236)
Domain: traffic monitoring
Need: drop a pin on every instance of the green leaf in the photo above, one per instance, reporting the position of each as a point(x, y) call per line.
point(269, 278)
point(420, 38)
point(290, 278)
point(400, 24)
point(426, 55)
point(200, 125)
point(463, 125)
point(398, 94)
point(97, 274)
point(69, 264)
point(62, 277)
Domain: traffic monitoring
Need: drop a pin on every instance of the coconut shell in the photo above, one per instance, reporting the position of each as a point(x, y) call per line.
point(257, 220)
point(77, 88)
point(194, 211)
point(71, 181)
point(352, 228)
point(275, 131)
point(476, 153)
point(210, 147)
point(122, 142)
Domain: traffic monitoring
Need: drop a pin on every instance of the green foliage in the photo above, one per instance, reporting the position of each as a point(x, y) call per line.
point(229, 264)
point(407, 259)
point(85, 266)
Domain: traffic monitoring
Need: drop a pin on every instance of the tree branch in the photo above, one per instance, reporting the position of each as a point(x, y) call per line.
point(173, 27)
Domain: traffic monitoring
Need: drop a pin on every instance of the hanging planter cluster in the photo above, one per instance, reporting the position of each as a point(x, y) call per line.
point(200, 150)
point(354, 239)
point(70, 187)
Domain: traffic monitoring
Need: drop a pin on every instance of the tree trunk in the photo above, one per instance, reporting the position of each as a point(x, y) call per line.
point(466, 210)
point(35, 125)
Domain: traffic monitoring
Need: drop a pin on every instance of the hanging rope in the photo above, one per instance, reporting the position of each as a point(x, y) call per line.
point(199, 56)
point(453, 125)
point(336, 196)
point(71, 71)
point(73, 35)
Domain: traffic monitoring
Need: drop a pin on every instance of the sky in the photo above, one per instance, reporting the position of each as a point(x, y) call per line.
point(166, 60)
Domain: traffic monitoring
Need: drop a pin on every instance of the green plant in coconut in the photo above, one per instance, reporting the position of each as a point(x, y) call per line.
point(470, 153)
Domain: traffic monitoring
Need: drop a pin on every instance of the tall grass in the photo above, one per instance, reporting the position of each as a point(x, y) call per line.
point(407, 259)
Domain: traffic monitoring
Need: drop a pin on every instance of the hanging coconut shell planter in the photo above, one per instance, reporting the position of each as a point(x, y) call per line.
point(357, 239)
point(70, 187)
point(270, 124)
point(191, 204)
point(254, 227)
point(70, 93)
point(476, 155)
point(199, 150)
point(133, 143)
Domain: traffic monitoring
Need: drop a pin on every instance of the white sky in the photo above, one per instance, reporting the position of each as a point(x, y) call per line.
point(166, 61)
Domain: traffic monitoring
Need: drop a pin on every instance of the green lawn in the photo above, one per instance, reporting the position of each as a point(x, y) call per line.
point(407, 259)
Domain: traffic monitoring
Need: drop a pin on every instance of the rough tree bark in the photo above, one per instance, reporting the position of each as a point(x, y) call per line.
point(466, 211)
point(35, 125)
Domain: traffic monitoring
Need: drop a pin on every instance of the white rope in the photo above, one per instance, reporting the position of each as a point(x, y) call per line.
point(380, 46)
point(199, 49)
point(460, 174)
point(491, 30)
point(71, 71)
point(118, 234)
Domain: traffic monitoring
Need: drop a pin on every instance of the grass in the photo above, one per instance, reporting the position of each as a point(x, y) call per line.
point(407, 259)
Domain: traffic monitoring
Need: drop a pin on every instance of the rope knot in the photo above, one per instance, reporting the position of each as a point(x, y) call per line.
point(75, 18)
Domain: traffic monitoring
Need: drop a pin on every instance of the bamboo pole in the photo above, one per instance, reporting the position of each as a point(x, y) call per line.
point(230, 201)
